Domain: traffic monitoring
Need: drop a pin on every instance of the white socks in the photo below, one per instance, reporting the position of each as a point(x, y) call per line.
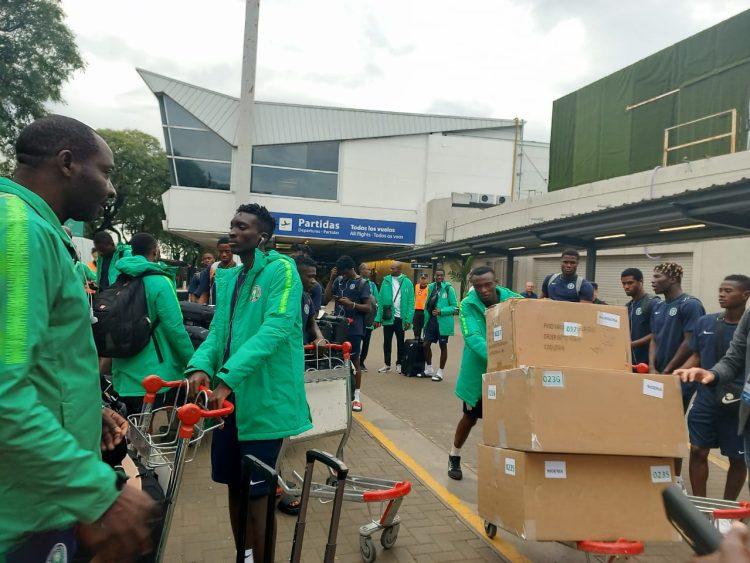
point(455, 451)
point(249, 556)
point(356, 395)
point(440, 372)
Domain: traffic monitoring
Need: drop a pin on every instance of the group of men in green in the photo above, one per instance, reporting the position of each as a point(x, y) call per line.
point(59, 496)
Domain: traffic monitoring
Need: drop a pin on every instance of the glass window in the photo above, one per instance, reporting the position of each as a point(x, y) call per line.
point(167, 145)
point(200, 144)
point(177, 115)
point(161, 110)
point(170, 165)
point(311, 156)
point(294, 183)
point(198, 174)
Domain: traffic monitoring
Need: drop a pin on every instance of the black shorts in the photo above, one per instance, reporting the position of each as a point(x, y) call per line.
point(474, 412)
point(356, 342)
point(227, 453)
point(432, 333)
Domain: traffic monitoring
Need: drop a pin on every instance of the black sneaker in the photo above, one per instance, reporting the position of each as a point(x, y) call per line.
point(454, 467)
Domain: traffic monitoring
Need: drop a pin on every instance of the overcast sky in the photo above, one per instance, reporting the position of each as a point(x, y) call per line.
point(483, 58)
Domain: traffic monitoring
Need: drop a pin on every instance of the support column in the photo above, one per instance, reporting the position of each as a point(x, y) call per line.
point(591, 264)
point(510, 262)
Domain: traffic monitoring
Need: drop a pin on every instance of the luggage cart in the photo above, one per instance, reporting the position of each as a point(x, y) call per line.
point(328, 395)
point(166, 452)
point(718, 509)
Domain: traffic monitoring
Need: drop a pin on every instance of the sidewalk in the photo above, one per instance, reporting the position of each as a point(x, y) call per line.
point(429, 531)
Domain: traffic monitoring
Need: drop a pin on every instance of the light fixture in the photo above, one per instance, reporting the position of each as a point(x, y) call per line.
point(607, 237)
point(434, 258)
point(682, 228)
point(548, 244)
point(516, 248)
point(466, 254)
point(482, 252)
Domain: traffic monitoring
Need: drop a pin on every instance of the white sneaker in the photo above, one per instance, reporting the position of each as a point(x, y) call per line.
point(398, 368)
point(384, 369)
point(437, 377)
point(429, 371)
point(680, 482)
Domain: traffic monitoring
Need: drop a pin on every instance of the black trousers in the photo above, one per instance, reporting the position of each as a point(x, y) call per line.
point(418, 323)
point(396, 328)
point(365, 346)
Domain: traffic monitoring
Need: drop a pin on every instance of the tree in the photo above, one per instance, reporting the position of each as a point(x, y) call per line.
point(460, 275)
point(140, 177)
point(37, 55)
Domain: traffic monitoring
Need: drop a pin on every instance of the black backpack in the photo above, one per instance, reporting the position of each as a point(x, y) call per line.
point(370, 317)
point(122, 327)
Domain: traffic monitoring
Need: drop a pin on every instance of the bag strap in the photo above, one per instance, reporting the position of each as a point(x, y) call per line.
point(719, 329)
point(401, 282)
point(579, 284)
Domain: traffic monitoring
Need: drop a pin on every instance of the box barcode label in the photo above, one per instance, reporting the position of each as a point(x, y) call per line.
point(661, 474)
point(608, 319)
point(492, 391)
point(510, 466)
point(555, 470)
point(553, 379)
point(497, 333)
point(572, 329)
point(653, 388)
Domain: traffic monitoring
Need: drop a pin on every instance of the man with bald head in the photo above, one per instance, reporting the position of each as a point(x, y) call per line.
point(395, 313)
point(56, 489)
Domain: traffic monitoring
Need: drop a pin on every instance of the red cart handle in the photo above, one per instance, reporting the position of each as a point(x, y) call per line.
point(153, 384)
point(190, 414)
point(640, 368)
point(345, 347)
point(619, 547)
point(399, 490)
point(734, 513)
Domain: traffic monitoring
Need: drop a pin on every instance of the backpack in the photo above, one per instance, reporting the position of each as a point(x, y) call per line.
point(370, 317)
point(122, 327)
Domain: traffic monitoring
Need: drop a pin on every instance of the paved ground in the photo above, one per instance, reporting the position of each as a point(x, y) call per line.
point(415, 419)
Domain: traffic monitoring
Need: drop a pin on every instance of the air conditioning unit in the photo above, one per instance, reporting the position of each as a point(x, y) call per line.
point(482, 199)
point(475, 200)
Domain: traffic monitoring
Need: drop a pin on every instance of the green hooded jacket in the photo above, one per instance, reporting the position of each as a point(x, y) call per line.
point(447, 303)
point(51, 473)
point(385, 299)
point(169, 336)
point(121, 251)
point(374, 293)
point(474, 359)
point(265, 368)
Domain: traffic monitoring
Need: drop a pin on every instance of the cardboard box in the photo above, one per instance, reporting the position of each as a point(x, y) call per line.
point(569, 497)
point(534, 332)
point(585, 411)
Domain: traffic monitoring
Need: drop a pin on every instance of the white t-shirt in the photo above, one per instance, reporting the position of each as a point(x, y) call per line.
point(396, 297)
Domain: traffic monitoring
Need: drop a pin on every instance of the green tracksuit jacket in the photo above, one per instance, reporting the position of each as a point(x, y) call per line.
point(385, 299)
point(265, 368)
point(51, 473)
point(169, 336)
point(121, 251)
point(374, 293)
point(474, 359)
point(447, 303)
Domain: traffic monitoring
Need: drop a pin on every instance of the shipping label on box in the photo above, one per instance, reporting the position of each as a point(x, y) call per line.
point(584, 410)
point(544, 332)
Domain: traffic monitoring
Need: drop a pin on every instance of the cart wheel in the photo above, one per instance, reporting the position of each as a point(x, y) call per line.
point(389, 536)
point(367, 549)
point(490, 529)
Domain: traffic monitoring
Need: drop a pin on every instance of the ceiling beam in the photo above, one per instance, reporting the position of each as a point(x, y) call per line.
point(710, 219)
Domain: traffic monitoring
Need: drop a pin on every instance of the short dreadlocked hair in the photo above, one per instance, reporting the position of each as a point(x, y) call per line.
point(266, 220)
point(670, 269)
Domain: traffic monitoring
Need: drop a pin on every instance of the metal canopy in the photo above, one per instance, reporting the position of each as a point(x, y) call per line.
point(722, 211)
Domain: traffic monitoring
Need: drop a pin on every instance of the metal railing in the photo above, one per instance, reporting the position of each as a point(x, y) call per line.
point(732, 134)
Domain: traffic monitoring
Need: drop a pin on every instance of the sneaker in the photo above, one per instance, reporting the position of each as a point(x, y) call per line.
point(384, 369)
point(723, 525)
point(398, 368)
point(356, 406)
point(454, 467)
point(363, 368)
point(437, 377)
point(429, 371)
point(680, 482)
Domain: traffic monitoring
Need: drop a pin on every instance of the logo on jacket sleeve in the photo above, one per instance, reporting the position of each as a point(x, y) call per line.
point(255, 293)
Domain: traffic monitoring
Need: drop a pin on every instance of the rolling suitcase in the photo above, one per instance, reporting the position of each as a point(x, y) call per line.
point(413, 361)
point(271, 478)
point(341, 471)
point(196, 314)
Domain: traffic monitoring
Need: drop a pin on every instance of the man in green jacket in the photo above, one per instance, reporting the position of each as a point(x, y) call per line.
point(474, 360)
point(169, 350)
point(440, 307)
point(52, 425)
point(254, 357)
point(109, 255)
point(395, 313)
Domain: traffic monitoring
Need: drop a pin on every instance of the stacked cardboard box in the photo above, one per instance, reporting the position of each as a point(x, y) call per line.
point(575, 445)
